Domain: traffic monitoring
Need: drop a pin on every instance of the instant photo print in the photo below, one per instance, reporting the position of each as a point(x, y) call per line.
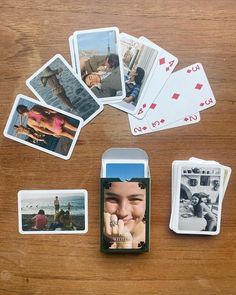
point(125, 201)
point(53, 211)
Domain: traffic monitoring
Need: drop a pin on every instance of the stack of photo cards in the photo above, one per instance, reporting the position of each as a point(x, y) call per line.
point(198, 189)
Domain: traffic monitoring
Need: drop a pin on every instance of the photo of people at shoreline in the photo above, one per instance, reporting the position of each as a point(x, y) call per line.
point(49, 212)
point(35, 124)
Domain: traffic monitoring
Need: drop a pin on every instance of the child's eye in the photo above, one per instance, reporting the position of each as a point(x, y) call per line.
point(111, 200)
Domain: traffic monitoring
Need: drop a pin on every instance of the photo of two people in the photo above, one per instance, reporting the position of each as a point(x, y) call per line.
point(41, 127)
point(99, 63)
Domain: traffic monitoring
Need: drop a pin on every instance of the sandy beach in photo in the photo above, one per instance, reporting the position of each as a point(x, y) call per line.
point(27, 224)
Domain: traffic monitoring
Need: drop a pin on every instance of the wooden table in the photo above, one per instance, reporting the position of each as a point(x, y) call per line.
point(195, 31)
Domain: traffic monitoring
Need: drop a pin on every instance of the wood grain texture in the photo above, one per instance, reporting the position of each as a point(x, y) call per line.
point(195, 31)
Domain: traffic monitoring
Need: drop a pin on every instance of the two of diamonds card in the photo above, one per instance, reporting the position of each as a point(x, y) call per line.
point(198, 189)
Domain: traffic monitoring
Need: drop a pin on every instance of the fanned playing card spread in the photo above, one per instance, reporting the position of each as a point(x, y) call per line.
point(132, 74)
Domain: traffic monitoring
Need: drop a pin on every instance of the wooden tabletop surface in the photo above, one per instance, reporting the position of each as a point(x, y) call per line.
point(194, 31)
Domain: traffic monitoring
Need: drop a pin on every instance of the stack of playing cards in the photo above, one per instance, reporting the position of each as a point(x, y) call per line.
point(198, 189)
point(128, 73)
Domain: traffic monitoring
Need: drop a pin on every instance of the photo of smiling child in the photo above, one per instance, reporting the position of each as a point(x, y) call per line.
point(124, 225)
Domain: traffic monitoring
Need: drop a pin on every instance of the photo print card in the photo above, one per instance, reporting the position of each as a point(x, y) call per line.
point(125, 201)
point(99, 64)
point(53, 211)
point(56, 84)
point(124, 215)
point(41, 127)
point(197, 194)
point(139, 61)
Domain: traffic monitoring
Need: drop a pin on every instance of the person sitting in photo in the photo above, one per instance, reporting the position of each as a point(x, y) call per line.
point(59, 221)
point(40, 220)
point(133, 83)
point(201, 209)
point(67, 221)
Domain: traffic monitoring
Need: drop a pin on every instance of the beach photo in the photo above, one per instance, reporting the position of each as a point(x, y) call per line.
point(98, 60)
point(56, 84)
point(199, 199)
point(53, 211)
point(41, 127)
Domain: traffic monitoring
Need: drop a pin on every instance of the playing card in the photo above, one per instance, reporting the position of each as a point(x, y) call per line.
point(163, 69)
point(53, 211)
point(56, 84)
point(140, 126)
point(42, 127)
point(186, 92)
point(139, 60)
point(99, 64)
point(197, 197)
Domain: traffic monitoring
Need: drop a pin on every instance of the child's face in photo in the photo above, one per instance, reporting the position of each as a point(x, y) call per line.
point(127, 200)
point(195, 200)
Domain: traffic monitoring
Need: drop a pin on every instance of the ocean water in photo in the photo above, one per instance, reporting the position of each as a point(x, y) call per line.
point(33, 205)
